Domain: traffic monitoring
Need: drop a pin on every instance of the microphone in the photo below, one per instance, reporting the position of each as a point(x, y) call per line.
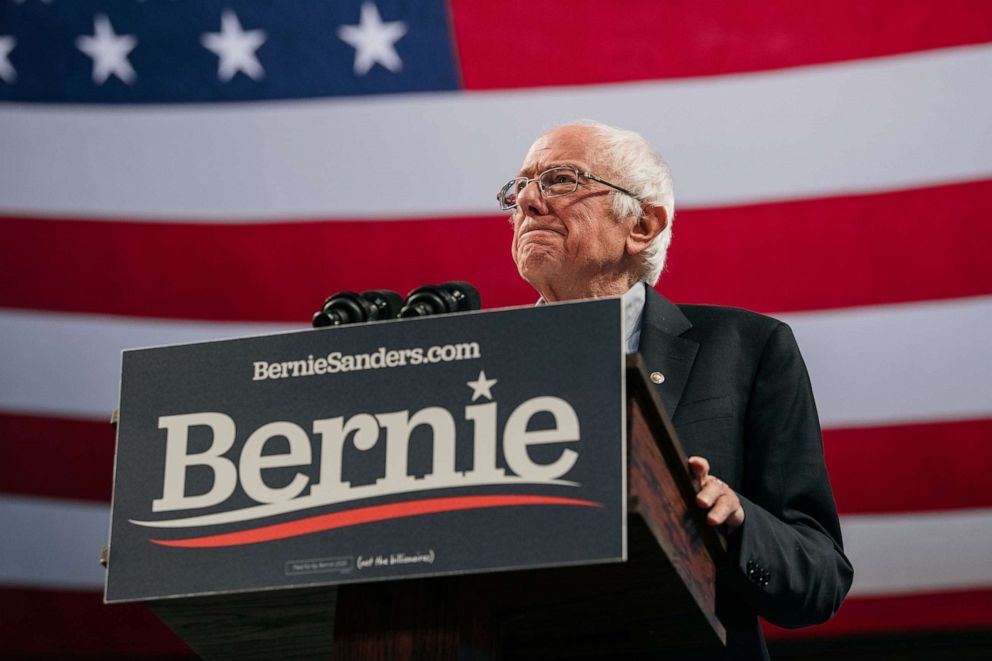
point(441, 299)
point(347, 307)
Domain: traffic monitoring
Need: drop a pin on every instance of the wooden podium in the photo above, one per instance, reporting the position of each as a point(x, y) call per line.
point(662, 598)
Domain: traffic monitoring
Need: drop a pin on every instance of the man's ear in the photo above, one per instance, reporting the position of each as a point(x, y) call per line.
point(651, 223)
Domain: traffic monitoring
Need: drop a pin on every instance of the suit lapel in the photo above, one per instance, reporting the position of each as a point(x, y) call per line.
point(664, 350)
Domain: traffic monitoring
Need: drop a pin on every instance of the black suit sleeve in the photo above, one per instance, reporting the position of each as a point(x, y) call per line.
point(788, 559)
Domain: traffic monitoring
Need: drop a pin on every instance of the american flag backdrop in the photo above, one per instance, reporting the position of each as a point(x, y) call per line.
point(172, 171)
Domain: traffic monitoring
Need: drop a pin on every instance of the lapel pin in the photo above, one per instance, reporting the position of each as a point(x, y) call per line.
point(657, 377)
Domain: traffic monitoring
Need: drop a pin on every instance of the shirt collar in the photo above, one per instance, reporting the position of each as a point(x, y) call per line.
point(633, 311)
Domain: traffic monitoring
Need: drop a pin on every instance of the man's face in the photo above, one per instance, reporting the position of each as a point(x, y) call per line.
point(560, 243)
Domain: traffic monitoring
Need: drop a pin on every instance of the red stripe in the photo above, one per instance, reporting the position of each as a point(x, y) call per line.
point(58, 625)
point(909, 468)
point(913, 245)
point(905, 246)
point(52, 623)
point(366, 515)
point(528, 43)
point(275, 272)
point(909, 454)
point(920, 613)
point(55, 457)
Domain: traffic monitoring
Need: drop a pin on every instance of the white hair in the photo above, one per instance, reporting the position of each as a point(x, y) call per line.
point(639, 169)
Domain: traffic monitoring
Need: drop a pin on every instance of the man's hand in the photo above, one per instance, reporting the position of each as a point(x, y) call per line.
point(722, 502)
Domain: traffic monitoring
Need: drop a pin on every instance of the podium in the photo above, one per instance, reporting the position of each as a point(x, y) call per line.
point(662, 598)
point(498, 485)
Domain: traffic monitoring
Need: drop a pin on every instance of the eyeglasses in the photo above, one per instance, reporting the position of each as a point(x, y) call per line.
point(553, 183)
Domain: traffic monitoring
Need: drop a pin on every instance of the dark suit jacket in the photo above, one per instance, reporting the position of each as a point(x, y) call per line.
point(738, 393)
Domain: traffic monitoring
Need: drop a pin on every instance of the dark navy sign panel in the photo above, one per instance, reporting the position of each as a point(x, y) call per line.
point(334, 504)
point(297, 47)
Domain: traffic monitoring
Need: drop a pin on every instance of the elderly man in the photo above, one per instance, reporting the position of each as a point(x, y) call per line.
point(592, 216)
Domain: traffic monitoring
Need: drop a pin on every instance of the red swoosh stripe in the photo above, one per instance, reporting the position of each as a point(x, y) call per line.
point(366, 515)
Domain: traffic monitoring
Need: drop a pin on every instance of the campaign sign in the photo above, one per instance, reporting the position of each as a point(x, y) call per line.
point(464, 443)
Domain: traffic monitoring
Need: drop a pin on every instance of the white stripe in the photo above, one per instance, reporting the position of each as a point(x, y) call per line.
point(52, 543)
point(55, 544)
point(901, 363)
point(70, 364)
point(866, 125)
point(906, 553)
point(885, 365)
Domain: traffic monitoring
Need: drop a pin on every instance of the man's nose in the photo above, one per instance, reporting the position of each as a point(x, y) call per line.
point(531, 201)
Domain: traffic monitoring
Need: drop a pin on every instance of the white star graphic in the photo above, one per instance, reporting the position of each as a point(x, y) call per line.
point(373, 41)
point(235, 48)
point(109, 51)
point(481, 387)
point(7, 71)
